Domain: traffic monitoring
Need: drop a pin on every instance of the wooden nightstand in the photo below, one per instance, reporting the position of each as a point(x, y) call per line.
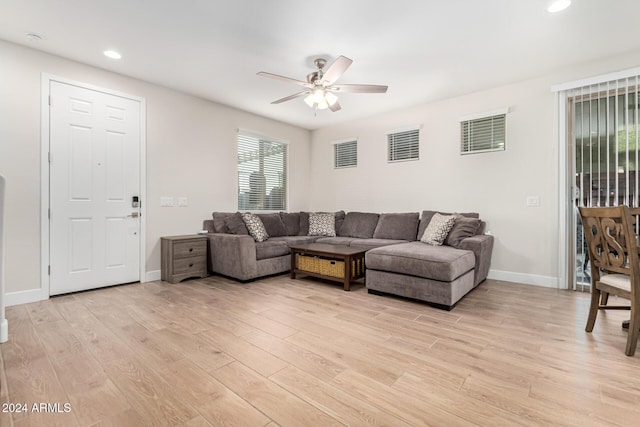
point(183, 257)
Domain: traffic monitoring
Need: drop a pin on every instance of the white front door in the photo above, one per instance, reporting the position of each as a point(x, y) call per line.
point(94, 176)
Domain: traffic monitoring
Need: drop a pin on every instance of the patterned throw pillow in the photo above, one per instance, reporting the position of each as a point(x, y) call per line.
point(438, 229)
point(322, 224)
point(255, 227)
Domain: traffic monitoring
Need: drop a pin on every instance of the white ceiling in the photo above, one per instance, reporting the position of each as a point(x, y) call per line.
point(423, 50)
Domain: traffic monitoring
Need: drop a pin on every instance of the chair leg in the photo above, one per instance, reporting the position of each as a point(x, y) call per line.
point(604, 299)
point(634, 331)
point(593, 308)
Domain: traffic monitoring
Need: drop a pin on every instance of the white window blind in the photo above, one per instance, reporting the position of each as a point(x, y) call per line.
point(262, 173)
point(345, 154)
point(483, 134)
point(403, 145)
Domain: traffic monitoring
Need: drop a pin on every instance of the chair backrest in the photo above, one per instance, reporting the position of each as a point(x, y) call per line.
point(611, 238)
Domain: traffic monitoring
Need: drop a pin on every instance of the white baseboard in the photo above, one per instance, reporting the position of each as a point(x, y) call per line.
point(24, 297)
point(527, 279)
point(152, 276)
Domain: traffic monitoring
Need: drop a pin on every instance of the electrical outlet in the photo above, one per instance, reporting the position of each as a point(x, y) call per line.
point(183, 202)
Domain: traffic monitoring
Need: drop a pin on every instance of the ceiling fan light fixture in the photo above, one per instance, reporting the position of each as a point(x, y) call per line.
point(309, 100)
point(322, 105)
point(318, 96)
point(330, 98)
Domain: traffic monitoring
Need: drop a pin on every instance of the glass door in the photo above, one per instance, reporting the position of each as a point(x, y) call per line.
point(602, 128)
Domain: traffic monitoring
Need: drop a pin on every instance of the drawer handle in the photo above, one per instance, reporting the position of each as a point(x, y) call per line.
point(190, 249)
point(190, 265)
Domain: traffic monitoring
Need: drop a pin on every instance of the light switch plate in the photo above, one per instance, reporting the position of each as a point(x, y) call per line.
point(166, 201)
point(183, 202)
point(533, 201)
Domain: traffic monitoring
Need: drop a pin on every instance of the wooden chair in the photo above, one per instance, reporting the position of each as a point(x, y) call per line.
point(615, 267)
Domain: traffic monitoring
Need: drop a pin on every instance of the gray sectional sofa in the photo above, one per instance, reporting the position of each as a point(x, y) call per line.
point(397, 262)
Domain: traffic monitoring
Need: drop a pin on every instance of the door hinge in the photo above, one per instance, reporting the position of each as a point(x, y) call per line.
point(49, 270)
point(49, 156)
point(50, 101)
point(49, 213)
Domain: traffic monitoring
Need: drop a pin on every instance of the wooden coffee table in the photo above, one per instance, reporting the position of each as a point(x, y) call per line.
point(339, 263)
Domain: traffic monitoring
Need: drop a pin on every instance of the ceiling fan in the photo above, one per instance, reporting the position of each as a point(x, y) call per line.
point(320, 89)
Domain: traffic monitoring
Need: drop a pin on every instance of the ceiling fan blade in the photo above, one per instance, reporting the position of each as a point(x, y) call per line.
point(336, 69)
point(290, 97)
point(359, 88)
point(335, 107)
point(285, 79)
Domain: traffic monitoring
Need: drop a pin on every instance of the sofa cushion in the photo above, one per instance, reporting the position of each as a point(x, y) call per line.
point(374, 243)
point(291, 221)
point(271, 249)
point(463, 227)
point(294, 240)
point(322, 224)
point(442, 263)
point(426, 216)
point(304, 224)
point(336, 240)
point(219, 224)
point(359, 224)
point(273, 224)
point(255, 226)
point(438, 229)
point(235, 224)
point(399, 226)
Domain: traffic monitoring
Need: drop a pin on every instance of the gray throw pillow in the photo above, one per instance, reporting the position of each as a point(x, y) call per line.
point(463, 227)
point(339, 220)
point(235, 224)
point(322, 224)
point(437, 230)
point(398, 226)
point(359, 224)
point(291, 221)
point(304, 224)
point(219, 219)
point(273, 224)
point(426, 216)
point(255, 226)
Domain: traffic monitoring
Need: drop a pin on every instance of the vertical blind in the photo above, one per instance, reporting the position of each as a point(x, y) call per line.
point(483, 134)
point(404, 145)
point(604, 131)
point(345, 154)
point(262, 173)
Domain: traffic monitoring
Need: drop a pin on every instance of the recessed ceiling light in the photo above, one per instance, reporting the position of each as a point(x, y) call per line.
point(558, 5)
point(112, 54)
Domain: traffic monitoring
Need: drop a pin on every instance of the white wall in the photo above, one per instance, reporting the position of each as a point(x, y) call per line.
point(494, 184)
point(191, 151)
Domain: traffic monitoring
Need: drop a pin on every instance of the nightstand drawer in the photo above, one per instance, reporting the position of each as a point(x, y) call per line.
point(191, 248)
point(189, 265)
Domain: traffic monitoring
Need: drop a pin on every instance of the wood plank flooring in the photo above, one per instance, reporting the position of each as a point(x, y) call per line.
point(282, 352)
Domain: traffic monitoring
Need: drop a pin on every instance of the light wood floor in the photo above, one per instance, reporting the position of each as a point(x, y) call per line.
point(305, 353)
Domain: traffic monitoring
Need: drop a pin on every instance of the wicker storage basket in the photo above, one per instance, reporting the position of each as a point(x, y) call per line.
point(318, 265)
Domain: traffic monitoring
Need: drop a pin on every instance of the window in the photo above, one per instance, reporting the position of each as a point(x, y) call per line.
point(403, 145)
point(345, 154)
point(483, 133)
point(262, 173)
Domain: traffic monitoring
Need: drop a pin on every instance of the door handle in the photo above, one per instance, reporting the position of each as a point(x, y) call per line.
point(134, 215)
